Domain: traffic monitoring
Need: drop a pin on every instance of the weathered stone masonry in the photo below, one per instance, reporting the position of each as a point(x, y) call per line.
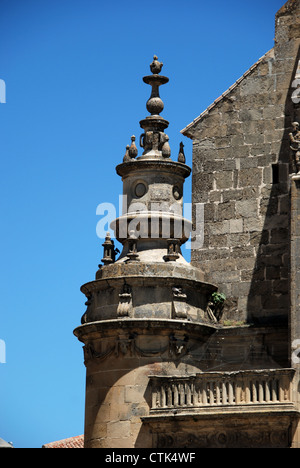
point(165, 369)
point(241, 166)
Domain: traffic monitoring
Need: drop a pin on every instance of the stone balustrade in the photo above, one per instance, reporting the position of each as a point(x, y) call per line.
point(267, 387)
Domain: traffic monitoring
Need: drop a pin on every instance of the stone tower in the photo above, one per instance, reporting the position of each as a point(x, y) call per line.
point(169, 364)
point(245, 157)
point(147, 313)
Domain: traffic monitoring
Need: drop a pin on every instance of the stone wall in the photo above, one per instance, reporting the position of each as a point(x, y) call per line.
point(241, 166)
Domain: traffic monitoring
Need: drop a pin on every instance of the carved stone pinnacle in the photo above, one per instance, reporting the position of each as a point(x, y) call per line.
point(156, 66)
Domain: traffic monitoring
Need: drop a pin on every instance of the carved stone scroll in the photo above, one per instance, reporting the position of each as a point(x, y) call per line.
point(125, 302)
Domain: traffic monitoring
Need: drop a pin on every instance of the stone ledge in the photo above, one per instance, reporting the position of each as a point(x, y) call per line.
point(153, 164)
point(165, 325)
point(216, 412)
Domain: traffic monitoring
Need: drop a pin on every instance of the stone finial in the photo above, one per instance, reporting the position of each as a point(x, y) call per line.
point(133, 151)
point(132, 254)
point(181, 155)
point(156, 66)
point(109, 250)
point(166, 150)
point(173, 250)
point(126, 156)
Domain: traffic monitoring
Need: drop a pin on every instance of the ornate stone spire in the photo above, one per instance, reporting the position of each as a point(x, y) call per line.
point(152, 227)
point(154, 141)
point(154, 104)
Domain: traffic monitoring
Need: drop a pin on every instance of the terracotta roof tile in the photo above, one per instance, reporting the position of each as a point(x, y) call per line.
point(71, 442)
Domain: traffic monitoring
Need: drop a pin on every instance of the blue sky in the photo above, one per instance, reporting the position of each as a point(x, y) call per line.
point(74, 96)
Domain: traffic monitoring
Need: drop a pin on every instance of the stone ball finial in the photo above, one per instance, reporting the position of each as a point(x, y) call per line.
point(181, 155)
point(133, 151)
point(156, 66)
point(126, 156)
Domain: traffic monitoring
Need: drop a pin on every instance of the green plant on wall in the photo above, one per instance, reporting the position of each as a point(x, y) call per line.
point(215, 306)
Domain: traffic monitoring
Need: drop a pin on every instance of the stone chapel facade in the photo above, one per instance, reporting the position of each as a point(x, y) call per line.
point(169, 364)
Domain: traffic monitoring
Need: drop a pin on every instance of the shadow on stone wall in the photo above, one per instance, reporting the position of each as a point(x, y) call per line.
point(269, 299)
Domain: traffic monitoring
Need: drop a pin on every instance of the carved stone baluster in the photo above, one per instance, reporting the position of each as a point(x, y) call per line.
point(200, 393)
point(218, 393)
point(155, 399)
point(211, 393)
point(224, 393)
point(247, 391)
point(230, 392)
point(238, 391)
point(182, 398)
point(188, 394)
point(268, 390)
point(284, 388)
point(204, 393)
point(260, 391)
point(176, 395)
point(163, 397)
point(169, 396)
point(275, 393)
point(254, 391)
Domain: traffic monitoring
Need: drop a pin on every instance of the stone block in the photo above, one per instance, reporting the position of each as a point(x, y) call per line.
point(118, 429)
point(279, 236)
point(237, 239)
point(221, 227)
point(250, 114)
point(241, 289)
point(259, 238)
point(257, 150)
point(250, 177)
point(236, 225)
point(232, 195)
point(230, 277)
point(251, 139)
point(224, 179)
point(134, 393)
point(225, 211)
point(281, 286)
point(246, 163)
point(218, 241)
point(247, 208)
point(242, 252)
point(272, 272)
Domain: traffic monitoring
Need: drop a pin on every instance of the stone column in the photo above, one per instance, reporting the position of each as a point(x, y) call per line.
point(295, 297)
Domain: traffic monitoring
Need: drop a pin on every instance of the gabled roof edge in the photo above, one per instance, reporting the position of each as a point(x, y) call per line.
point(185, 131)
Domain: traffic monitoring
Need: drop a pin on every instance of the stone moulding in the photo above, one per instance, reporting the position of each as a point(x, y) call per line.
point(129, 338)
point(106, 283)
point(257, 431)
point(104, 326)
point(149, 165)
point(148, 270)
